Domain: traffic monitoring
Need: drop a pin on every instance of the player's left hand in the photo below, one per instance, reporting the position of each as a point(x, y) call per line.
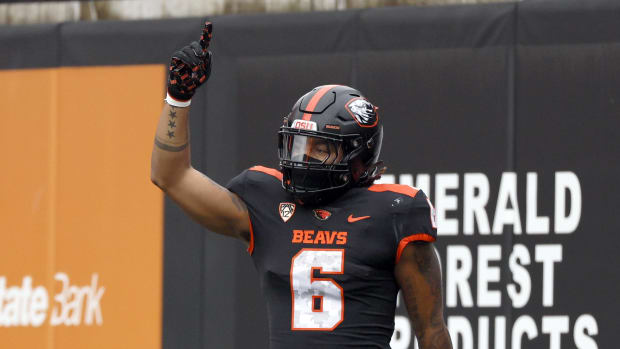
point(190, 67)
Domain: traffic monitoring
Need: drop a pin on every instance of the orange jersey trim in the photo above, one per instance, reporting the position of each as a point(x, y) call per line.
point(315, 100)
point(397, 188)
point(251, 246)
point(267, 170)
point(415, 237)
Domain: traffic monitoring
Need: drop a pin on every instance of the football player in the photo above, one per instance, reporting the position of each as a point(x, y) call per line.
point(332, 249)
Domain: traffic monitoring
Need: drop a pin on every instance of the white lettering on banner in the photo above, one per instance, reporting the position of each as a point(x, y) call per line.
point(27, 306)
point(565, 224)
point(456, 277)
point(388, 179)
point(505, 215)
point(523, 331)
point(500, 332)
point(459, 263)
point(486, 274)
point(22, 306)
point(555, 326)
point(38, 306)
point(483, 332)
point(520, 276)
point(446, 202)
point(476, 195)
point(524, 325)
point(534, 223)
point(548, 255)
point(473, 205)
point(491, 208)
point(584, 326)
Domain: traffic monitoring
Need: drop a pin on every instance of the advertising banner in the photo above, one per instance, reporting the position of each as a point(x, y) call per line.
point(81, 241)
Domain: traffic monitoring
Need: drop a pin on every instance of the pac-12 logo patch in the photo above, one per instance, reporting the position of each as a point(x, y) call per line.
point(286, 209)
point(321, 214)
point(364, 113)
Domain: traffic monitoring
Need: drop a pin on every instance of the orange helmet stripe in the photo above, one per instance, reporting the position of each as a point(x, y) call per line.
point(315, 100)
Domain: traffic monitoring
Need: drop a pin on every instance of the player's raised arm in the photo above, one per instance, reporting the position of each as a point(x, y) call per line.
point(419, 277)
point(210, 204)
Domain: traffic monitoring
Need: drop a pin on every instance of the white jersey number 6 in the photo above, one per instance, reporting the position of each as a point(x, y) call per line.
point(318, 303)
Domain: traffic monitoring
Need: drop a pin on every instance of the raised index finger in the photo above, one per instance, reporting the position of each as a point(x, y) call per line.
point(205, 38)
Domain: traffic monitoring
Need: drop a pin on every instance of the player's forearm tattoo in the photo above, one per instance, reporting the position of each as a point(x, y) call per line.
point(171, 123)
point(170, 135)
point(173, 112)
point(424, 258)
point(171, 148)
point(434, 335)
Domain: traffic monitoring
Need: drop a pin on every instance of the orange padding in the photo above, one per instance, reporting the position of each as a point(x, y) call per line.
point(251, 247)
point(415, 237)
point(267, 170)
point(397, 188)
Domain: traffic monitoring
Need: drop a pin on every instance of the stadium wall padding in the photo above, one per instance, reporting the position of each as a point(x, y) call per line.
point(505, 114)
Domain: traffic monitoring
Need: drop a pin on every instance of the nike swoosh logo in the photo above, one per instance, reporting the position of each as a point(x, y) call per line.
point(352, 219)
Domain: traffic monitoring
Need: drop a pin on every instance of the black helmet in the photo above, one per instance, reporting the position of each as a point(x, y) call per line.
point(329, 142)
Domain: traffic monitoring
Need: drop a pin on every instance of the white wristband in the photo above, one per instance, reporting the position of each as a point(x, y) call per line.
point(177, 103)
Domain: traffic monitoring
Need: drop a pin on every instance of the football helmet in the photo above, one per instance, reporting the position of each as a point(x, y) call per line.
point(328, 143)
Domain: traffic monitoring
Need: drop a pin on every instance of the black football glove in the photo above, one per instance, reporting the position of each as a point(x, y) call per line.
point(190, 67)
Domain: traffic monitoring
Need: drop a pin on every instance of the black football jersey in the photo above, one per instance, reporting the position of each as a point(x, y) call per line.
point(327, 272)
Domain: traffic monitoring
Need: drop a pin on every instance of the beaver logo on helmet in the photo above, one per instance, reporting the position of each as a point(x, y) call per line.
point(363, 112)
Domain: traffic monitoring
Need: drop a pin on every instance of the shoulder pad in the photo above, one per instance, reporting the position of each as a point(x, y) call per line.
point(395, 188)
point(267, 170)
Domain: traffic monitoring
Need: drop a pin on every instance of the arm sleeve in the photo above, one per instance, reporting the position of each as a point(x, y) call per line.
point(416, 222)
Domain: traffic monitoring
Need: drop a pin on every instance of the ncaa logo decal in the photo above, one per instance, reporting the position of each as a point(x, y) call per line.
point(364, 113)
point(321, 214)
point(286, 209)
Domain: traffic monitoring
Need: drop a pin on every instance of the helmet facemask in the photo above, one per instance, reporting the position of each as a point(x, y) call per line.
point(315, 165)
